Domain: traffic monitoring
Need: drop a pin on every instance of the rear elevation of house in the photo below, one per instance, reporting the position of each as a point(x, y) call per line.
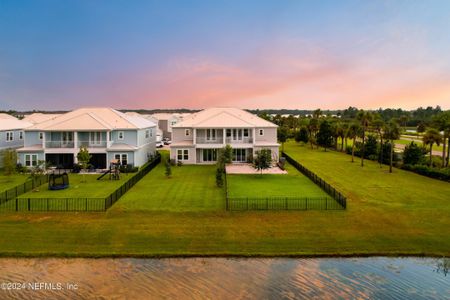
point(11, 133)
point(107, 134)
point(199, 136)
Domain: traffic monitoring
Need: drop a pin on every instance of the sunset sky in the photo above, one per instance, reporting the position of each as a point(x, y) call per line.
point(249, 54)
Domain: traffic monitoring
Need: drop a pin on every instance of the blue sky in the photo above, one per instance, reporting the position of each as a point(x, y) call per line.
point(250, 54)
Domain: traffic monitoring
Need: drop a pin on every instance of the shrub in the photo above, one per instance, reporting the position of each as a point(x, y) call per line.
point(371, 147)
point(219, 177)
point(173, 162)
point(179, 163)
point(168, 171)
point(413, 154)
point(441, 174)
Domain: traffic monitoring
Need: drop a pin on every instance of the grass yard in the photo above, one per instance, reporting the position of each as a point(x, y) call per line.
point(293, 184)
point(92, 188)
point(388, 214)
point(190, 188)
point(10, 181)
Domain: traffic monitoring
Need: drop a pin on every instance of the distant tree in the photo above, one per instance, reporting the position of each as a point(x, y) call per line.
point(413, 154)
point(263, 159)
point(219, 177)
point(364, 118)
point(84, 158)
point(442, 123)
point(324, 135)
point(352, 133)
point(371, 146)
point(9, 161)
point(421, 127)
point(226, 154)
point(168, 168)
point(431, 137)
point(378, 125)
point(391, 133)
point(302, 135)
point(313, 126)
point(282, 136)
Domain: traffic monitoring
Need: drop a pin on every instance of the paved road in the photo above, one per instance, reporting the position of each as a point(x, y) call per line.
point(435, 152)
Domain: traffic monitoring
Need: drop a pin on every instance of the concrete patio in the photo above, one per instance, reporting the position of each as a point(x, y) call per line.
point(249, 169)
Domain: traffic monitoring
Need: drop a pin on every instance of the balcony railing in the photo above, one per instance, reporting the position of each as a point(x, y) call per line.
point(59, 144)
point(202, 140)
point(92, 144)
point(243, 140)
point(71, 144)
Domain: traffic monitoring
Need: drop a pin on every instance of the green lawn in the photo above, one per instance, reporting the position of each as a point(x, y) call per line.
point(190, 188)
point(10, 181)
point(293, 184)
point(92, 188)
point(387, 214)
point(419, 142)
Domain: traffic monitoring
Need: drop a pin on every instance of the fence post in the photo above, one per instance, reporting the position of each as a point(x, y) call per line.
point(326, 203)
point(306, 203)
point(286, 204)
point(17, 204)
point(267, 203)
point(28, 204)
point(247, 203)
point(86, 203)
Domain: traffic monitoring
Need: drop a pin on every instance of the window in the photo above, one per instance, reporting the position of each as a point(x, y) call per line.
point(182, 154)
point(228, 132)
point(120, 135)
point(209, 154)
point(261, 132)
point(96, 138)
point(31, 160)
point(109, 136)
point(20, 135)
point(187, 132)
point(41, 135)
point(210, 134)
point(122, 158)
point(147, 133)
point(9, 136)
point(245, 132)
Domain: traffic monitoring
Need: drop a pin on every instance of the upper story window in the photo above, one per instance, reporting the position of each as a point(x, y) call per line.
point(41, 135)
point(20, 135)
point(187, 132)
point(147, 133)
point(120, 135)
point(9, 136)
point(261, 132)
point(210, 134)
point(109, 136)
point(228, 133)
point(245, 132)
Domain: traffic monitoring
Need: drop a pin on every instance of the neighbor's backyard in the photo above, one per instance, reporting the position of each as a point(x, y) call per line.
point(387, 214)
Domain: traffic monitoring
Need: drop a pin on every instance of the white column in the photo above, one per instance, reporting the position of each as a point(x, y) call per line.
point(254, 135)
point(75, 139)
point(194, 136)
point(224, 136)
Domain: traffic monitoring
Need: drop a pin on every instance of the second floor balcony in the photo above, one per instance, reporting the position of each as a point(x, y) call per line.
point(78, 144)
point(204, 140)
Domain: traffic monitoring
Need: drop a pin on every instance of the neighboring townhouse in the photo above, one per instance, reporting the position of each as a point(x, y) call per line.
point(36, 118)
point(11, 133)
point(199, 136)
point(159, 132)
point(166, 121)
point(107, 134)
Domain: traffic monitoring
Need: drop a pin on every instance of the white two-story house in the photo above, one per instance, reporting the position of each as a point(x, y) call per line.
point(107, 134)
point(198, 137)
point(11, 133)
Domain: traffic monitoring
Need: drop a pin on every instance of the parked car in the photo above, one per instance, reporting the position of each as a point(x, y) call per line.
point(159, 144)
point(167, 142)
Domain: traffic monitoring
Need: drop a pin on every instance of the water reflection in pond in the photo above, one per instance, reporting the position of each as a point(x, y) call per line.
point(221, 278)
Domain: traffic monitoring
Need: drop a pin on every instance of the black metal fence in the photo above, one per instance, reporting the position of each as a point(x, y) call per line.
point(330, 190)
point(9, 200)
point(282, 203)
point(120, 191)
point(20, 189)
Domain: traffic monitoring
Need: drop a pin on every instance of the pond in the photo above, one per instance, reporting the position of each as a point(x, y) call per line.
point(223, 278)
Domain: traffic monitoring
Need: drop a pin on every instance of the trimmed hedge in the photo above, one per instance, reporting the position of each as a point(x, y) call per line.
point(441, 174)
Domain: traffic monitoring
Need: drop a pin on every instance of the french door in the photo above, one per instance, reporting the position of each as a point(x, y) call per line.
point(95, 138)
point(240, 155)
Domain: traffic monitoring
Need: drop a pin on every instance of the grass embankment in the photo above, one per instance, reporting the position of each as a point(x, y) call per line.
point(388, 214)
point(80, 186)
point(10, 181)
point(293, 184)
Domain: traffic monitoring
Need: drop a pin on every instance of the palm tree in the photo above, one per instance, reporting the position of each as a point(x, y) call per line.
point(343, 137)
point(442, 122)
point(352, 133)
point(378, 125)
point(431, 137)
point(391, 133)
point(313, 126)
point(364, 117)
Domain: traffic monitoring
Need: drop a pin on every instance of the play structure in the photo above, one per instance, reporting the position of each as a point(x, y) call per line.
point(58, 181)
point(114, 170)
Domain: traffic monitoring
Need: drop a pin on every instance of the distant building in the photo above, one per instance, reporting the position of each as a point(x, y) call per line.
point(11, 133)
